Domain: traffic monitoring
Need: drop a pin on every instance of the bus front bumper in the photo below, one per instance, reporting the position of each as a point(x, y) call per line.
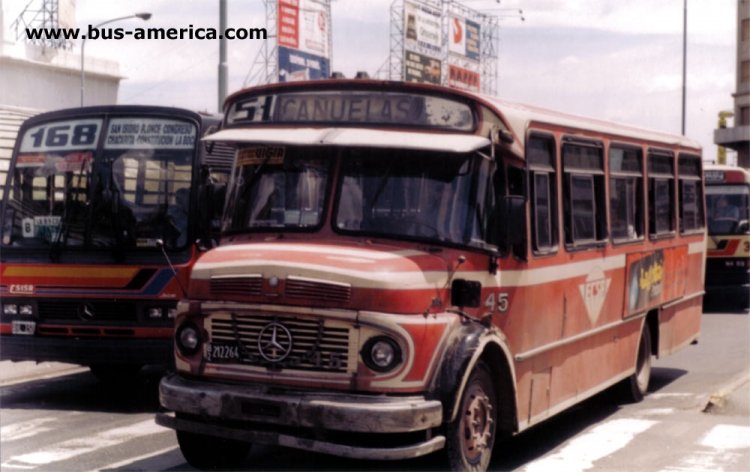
point(347, 425)
point(87, 351)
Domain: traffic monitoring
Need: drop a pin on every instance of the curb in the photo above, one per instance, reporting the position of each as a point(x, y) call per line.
point(37, 373)
point(718, 399)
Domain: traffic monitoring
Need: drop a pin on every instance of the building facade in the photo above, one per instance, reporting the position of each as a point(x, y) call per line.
point(737, 137)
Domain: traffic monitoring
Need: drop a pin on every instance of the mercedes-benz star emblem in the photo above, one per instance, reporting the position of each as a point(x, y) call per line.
point(86, 311)
point(274, 342)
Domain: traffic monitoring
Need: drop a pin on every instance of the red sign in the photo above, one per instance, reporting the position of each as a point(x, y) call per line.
point(461, 78)
point(288, 28)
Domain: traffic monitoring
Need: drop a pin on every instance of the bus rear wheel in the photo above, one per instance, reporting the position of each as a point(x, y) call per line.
point(210, 452)
point(636, 386)
point(471, 436)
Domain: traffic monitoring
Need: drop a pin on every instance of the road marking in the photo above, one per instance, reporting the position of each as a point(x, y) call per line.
point(727, 436)
point(75, 447)
point(127, 464)
point(26, 429)
point(718, 450)
point(581, 453)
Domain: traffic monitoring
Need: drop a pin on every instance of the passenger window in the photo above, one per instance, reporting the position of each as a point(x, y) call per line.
point(542, 166)
point(584, 195)
point(661, 194)
point(691, 194)
point(626, 193)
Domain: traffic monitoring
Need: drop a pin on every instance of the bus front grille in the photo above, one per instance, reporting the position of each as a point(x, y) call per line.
point(90, 311)
point(284, 342)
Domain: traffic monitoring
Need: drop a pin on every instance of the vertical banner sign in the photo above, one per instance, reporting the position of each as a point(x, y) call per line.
point(463, 58)
point(304, 30)
point(423, 46)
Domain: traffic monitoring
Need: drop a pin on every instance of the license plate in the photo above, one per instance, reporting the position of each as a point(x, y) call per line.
point(24, 327)
point(221, 352)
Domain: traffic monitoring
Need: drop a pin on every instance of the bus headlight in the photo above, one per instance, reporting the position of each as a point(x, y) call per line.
point(25, 310)
point(381, 354)
point(10, 309)
point(188, 339)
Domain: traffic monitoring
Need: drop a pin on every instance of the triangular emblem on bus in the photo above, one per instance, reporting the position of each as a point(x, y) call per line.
point(594, 292)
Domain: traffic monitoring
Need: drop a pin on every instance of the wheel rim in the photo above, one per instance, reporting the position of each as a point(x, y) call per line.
point(477, 424)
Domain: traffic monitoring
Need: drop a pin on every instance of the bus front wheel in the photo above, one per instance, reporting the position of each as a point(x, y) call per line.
point(471, 436)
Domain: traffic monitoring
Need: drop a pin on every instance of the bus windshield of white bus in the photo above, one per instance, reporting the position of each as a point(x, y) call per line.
point(728, 209)
point(71, 187)
point(386, 192)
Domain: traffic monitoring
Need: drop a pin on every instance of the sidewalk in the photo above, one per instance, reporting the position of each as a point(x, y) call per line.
point(16, 372)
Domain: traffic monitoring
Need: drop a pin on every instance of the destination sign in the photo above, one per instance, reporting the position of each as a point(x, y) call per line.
point(149, 133)
point(351, 107)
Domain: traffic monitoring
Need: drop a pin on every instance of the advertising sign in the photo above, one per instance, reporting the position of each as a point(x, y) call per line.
point(423, 33)
point(464, 38)
point(464, 79)
point(303, 39)
point(297, 65)
point(419, 68)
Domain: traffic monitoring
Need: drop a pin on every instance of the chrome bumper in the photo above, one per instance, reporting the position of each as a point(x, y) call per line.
point(292, 418)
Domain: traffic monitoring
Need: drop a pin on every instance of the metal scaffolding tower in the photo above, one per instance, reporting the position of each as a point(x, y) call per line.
point(265, 66)
point(489, 40)
point(39, 14)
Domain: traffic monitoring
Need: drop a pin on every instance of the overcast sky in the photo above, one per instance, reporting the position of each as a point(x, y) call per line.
point(611, 59)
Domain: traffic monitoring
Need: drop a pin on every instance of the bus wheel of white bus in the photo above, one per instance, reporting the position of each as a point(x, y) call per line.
point(471, 436)
point(210, 452)
point(637, 384)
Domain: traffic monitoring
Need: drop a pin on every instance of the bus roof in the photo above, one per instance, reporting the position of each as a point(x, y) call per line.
point(117, 109)
point(718, 174)
point(516, 117)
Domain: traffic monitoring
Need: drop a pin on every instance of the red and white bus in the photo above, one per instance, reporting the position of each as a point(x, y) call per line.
point(406, 268)
point(100, 216)
point(728, 216)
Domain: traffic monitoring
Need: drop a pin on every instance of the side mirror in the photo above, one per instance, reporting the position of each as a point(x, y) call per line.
point(210, 208)
point(466, 293)
point(514, 219)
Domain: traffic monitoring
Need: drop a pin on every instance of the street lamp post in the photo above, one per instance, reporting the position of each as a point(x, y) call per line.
point(142, 16)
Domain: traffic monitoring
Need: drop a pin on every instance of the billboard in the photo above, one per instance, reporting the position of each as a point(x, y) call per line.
point(423, 42)
point(304, 32)
point(295, 65)
point(420, 68)
point(464, 38)
point(465, 79)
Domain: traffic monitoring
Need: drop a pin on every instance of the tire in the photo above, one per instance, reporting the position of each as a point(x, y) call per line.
point(210, 452)
point(471, 436)
point(636, 386)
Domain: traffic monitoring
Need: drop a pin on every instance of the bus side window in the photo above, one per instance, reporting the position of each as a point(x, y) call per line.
point(661, 199)
point(584, 196)
point(691, 195)
point(626, 193)
point(540, 155)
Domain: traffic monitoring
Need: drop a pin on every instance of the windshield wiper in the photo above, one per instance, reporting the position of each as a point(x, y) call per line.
point(251, 181)
point(63, 230)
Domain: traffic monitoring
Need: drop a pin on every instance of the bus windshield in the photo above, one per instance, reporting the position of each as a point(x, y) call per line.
point(412, 194)
point(728, 209)
point(72, 188)
point(390, 193)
